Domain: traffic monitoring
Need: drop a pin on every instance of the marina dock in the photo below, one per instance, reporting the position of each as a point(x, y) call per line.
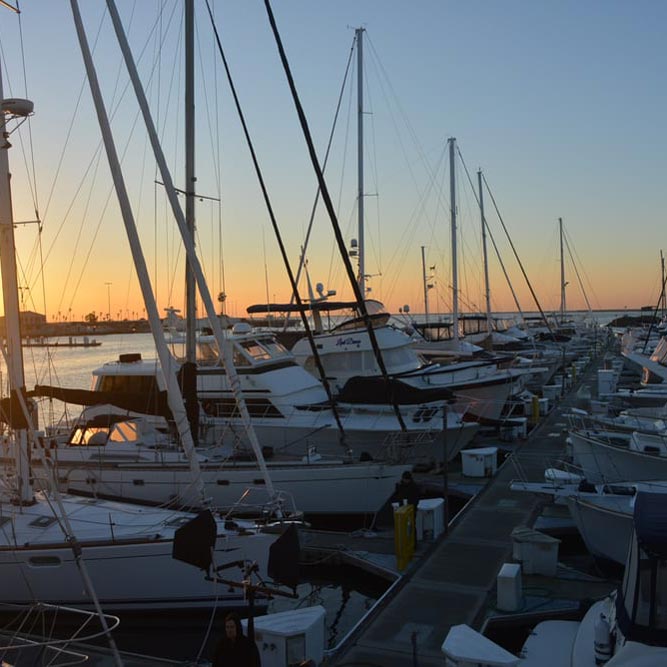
point(452, 580)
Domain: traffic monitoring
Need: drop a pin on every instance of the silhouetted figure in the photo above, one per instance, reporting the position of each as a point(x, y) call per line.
point(235, 649)
point(407, 490)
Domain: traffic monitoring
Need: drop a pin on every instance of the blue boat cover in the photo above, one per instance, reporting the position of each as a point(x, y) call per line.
point(651, 523)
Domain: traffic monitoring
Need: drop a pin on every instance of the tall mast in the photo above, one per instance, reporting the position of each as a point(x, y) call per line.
point(455, 272)
point(190, 293)
point(10, 295)
point(487, 290)
point(425, 280)
point(359, 32)
point(167, 362)
point(663, 300)
point(562, 272)
point(224, 343)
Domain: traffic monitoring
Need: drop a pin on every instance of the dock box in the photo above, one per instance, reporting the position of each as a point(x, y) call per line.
point(481, 462)
point(606, 382)
point(290, 638)
point(430, 518)
point(537, 552)
point(509, 589)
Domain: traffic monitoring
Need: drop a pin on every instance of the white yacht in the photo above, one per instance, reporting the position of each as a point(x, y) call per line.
point(480, 388)
point(288, 407)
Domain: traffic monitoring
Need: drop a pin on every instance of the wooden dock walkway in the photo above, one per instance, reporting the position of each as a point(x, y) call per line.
point(451, 582)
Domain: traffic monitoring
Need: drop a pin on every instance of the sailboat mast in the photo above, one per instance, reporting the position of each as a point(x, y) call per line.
point(455, 272)
point(167, 362)
point(224, 343)
point(663, 300)
point(190, 291)
point(425, 281)
point(487, 289)
point(562, 272)
point(359, 32)
point(10, 295)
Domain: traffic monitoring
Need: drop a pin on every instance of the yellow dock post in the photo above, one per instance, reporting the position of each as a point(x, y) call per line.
point(404, 535)
point(535, 411)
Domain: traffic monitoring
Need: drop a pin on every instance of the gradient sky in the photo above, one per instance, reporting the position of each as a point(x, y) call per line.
point(561, 104)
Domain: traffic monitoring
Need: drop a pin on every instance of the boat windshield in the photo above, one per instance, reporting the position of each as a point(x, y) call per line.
point(98, 436)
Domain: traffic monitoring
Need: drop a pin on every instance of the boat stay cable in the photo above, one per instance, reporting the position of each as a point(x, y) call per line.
point(274, 224)
point(493, 240)
point(576, 272)
point(326, 198)
point(304, 248)
point(516, 255)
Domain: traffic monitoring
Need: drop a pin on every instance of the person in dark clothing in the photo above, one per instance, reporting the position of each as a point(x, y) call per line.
point(235, 649)
point(407, 490)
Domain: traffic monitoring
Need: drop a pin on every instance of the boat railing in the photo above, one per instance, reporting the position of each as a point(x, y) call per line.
point(17, 639)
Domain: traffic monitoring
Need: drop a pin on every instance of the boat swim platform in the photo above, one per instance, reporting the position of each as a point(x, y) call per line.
point(453, 579)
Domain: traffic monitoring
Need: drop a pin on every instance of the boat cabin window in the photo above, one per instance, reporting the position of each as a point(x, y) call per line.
point(89, 437)
point(128, 384)
point(400, 356)
point(207, 353)
point(342, 361)
point(275, 348)
point(255, 350)
point(98, 436)
point(127, 431)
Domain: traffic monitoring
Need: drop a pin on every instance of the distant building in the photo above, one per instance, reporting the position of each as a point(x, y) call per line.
point(31, 323)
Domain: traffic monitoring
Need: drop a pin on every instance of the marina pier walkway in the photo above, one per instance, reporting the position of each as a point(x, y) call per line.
point(452, 581)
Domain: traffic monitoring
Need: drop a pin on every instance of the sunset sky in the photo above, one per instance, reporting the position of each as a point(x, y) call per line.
point(562, 105)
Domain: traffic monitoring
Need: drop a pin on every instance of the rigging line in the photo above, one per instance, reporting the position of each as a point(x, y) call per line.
point(654, 319)
point(516, 255)
point(33, 180)
point(411, 131)
point(332, 214)
point(407, 237)
point(213, 143)
point(493, 241)
point(63, 152)
point(574, 255)
point(377, 250)
point(333, 271)
point(274, 224)
point(324, 166)
point(576, 271)
point(218, 184)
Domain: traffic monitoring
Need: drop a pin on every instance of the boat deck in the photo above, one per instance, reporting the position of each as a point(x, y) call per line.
point(452, 581)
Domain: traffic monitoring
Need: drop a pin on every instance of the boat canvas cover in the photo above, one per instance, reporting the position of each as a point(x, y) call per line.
point(378, 391)
point(650, 519)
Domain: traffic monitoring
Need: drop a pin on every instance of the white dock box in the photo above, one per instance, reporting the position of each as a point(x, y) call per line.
point(606, 382)
point(481, 462)
point(537, 552)
point(430, 518)
point(288, 638)
point(508, 585)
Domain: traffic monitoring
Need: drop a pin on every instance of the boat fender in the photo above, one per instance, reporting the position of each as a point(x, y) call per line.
point(602, 640)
